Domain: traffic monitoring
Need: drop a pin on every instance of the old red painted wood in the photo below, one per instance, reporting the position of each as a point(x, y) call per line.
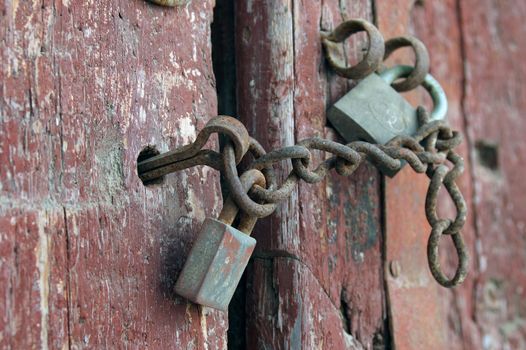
point(467, 57)
point(437, 25)
point(88, 254)
point(317, 278)
point(494, 102)
point(441, 26)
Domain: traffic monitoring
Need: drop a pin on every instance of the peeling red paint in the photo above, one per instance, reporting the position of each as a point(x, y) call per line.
point(89, 255)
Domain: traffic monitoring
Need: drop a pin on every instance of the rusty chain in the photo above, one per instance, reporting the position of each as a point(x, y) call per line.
point(428, 151)
point(439, 141)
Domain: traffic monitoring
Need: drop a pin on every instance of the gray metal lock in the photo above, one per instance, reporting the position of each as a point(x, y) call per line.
point(220, 254)
point(375, 112)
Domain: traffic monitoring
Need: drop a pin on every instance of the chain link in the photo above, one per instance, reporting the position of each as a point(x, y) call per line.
point(428, 151)
point(439, 140)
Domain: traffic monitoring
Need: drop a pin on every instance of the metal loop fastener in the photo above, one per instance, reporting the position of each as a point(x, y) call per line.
point(427, 150)
point(239, 195)
point(230, 210)
point(373, 57)
point(442, 175)
point(421, 68)
point(168, 162)
point(430, 84)
point(434, 260)
point(341, 151)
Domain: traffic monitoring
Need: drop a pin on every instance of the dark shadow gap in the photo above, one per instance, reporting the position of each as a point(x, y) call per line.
point(224, 66)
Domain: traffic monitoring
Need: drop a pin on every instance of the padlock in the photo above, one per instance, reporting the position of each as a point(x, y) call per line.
point(375, 112)
point(220, 254)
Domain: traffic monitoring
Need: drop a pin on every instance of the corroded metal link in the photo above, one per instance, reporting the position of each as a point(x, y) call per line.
point(436, 176)
point(427, 152)
point(258, 151)
point(434, 260)
point(375, 155)
point(450, 143)
point(421, 68)
point(247, 222)
point(442, 175)
point(373, 57)
point(203, 157)
point(228, 126)
point(342, 151)
point(454, 192)
point(285, 153)
point(278, 195)
point(407, 155)
point(237, 191)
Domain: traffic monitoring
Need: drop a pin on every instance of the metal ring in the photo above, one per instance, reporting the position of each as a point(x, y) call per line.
point(232, 128)
point(373, 57)
point(279, 194)
point(244, 202)
point(230, 210)
point(315, 143)
point(430, 84)
point(436, 180)
point(434, 260)
point(270, 175)
point(421, 68)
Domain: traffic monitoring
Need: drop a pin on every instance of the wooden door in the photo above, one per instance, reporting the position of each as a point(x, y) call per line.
point(89, 254)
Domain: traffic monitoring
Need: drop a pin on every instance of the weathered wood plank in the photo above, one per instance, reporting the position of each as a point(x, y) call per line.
point(292, 310)
point(332, 228)
point(265, 88)
point(90, 253)
point(438, 25)
point(33, 279)
point(495, 99)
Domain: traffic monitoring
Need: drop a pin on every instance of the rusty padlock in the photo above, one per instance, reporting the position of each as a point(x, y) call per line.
point(220, 254)
point(375, 112)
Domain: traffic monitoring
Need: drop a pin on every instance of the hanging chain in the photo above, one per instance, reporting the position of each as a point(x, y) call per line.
point(430, 150)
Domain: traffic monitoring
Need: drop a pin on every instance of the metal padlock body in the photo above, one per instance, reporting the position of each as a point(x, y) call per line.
point(214, 267)
point(220, 253)
point(375, 112)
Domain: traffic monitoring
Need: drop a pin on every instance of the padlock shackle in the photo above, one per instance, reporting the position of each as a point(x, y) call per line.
point(373, 57)
point(430, 84)
point(230, 209)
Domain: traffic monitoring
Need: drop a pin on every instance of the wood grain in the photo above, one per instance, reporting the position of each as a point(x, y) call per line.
point(89, 254)
point(494, 102)
point(329, 232)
